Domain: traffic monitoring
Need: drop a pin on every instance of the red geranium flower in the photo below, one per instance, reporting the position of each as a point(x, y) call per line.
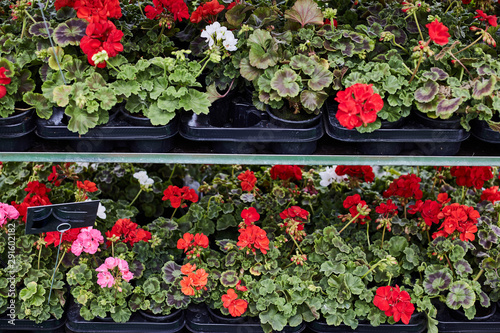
point(438, 32)
point(481, 16)
point(459, 220)
point(406, 186)
point(358, 105)
point(68, 237)
point(94, 11)
point(101, 36)
point(351, 203)
point(395, 303)
point(250, 215)
point(3, 80)
point(388, 208)
point(87, 186)
point(64, 3)
point(429, 211)
point(248, 180)
point(286, 172)
point(177, 195)
point(207, 11)
point(356, 171)
point(176, 9)
point(127, 231)
point(471, 176)
point(491, 194)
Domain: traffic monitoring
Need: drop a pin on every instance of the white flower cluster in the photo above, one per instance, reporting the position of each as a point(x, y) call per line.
point(329, 176)
point(215, 33)
point(144, 180)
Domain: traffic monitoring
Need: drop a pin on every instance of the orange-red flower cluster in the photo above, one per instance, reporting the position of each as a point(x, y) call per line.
point(438, 32)
point(167, 11)
point(208, 12)
point(192, 244)
point(233, 304)
point(177, 196)
point(253, 238)
point(358, 105)
point(248, 180)
point(395, 303)
point(250, 215)
point(37, 196)
point(127, 231)
point(3, 81)
point(68, 237)
point(458, 219)
point(406, 186)
point(194, 281)
point(286, 172)
point(471, 176)
point(352, 202)
point(356, 171)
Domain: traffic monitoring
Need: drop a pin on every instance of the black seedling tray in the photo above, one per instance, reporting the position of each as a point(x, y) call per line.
point(411, 136)
point(17, 132)
point(483, 132)
point(449, 323)
point(28, 326)
point(199, 320)
point(136, 324)
point(117, 133)
point(418, 324)
point(247, 130)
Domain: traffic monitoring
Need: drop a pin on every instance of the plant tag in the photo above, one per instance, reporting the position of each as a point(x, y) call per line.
point(72, 215)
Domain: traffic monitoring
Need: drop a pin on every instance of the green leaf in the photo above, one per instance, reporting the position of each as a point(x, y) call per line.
point(248, 71)
point(70, 32)
point(127, 72)
point(80, 121)
point(397, 245)
point(354, 283)
point(157, 115)
point(305, 12)
point(313, 100)
point(391, 84)
point(95, 81)
point(263, 50)
point(460, 295)
point(285, 83)
point(321, 78)
point(302, 62)
point(447, 107)
point(125, 88)
point(53, 53)
point(121, 315)
point(329, 267)
point(42, 105)
point(225, 222)
point(107, 97)
point(273, 318)
point(196, 101)
point(61, 95)
point(229, 278)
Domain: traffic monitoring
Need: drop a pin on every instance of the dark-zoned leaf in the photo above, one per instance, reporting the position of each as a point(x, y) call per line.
point(446, 107)
point(483, 88)
point(436, 282)
point(320, 78)
point(460, 295)
point(70, 32)
point(263, 50)
point(427, 92)
point(229, 278)
point(171, 271)
point(40, 29)
point(285, 83)
point(312, 100)
point(305, 12)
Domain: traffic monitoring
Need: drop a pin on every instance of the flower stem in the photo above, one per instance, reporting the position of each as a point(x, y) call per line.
point(31, 17)
point(373, 267)
point(428, 236)
point(24, 27)
point(137, 196)
point(416, 68)
point(368, 233)
point(60, 261)
point(479, 275)
point(96, 264)
point(463, 195)
point(172, 173)
point(449, 264)
point(173, 213)
point(451, 4)
point(298, 247)
point(39, 255)
point(383, 234)
point(113, 249)
point(418, 26)
point(474, 42)
point(207, 58)
point(353, 219)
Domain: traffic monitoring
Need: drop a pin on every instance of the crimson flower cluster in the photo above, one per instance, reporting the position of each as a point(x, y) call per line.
point(352, 202)
point(294, 219)
point(429, 211)
point(356, 171)
point(208, 12)
point(471, 176)
point(192, 244)
point(458, 219)
point(37, 196)
point(286, 172)
point(387, 209)
point(177, 196)
point(3, 81)
point(167, 11)
point(250, 215)
point(406, 186)
point(102, 36)
point(127, 231)
point(248, 180)
point(358, 105)
point(395, 303)
point(491, 194)
point(68, 237)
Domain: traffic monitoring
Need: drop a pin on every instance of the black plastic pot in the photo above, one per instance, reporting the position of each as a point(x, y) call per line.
point(241, 128)
point(417, 324)
point(451, 123)
point(482, 131)
point(122, 131)
point(412, 136)
point(161, 318)
point(28, 326)
point(17, 132)
point(449, 321)
point(136, 324)
point(200, 320)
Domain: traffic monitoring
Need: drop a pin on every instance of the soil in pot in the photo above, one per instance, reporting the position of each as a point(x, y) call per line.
point(287, 119)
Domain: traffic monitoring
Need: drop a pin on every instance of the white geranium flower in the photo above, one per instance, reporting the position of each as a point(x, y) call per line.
point(101, 211)
point(230, 42)
point(144, 180)
point(329, 176)
point(215, 33)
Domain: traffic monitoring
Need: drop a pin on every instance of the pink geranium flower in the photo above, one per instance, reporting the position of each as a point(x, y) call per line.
point(88, 241)
point(127, 276)
point(7, 212)
point(105, 279)
point(122, 265)
point(111, 262)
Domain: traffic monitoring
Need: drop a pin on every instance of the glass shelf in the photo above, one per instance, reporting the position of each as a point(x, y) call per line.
point(329, 152)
